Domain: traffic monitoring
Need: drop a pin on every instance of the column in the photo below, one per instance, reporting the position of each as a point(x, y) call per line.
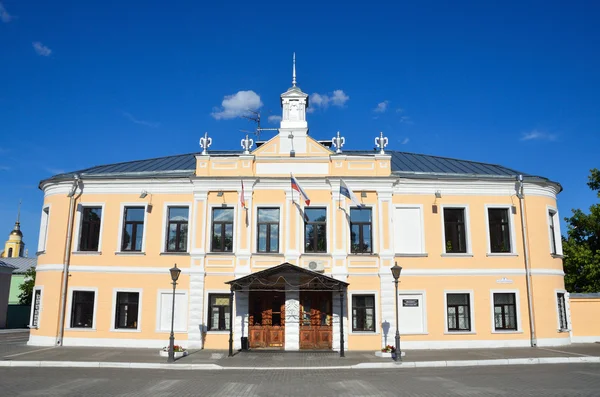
point(388, 305)
point(240, 328)
point(196, 326)
point(335, 296)
point(292, 320)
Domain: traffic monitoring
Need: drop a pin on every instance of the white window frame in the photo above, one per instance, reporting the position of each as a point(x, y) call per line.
point(163, 244)
point(35, 289)
point(424, 310)
point(114, 310)
point(159, 295)
point(44, 228)
point(567, 310)
point(377, 312)
point(518, 313)
point(557, 233)
point(70, 311)
point(254, 225)
point(207, 293)
point(77, 230)
point(465, 207)
point(423, 244)
point(122, 222)
point(328, 227)
point(471, 294)
point(374, 230)
point(511, 224)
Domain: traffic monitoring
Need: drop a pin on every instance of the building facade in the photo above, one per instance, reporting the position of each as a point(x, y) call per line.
point(289, 245)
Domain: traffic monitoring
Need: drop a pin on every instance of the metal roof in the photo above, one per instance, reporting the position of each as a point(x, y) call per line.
point(585, 295)
point(402, 164)
point(20, 264)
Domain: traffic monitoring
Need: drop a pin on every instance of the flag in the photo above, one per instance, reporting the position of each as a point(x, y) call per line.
point(296, 186)
point(345, 191)
point(242, 199)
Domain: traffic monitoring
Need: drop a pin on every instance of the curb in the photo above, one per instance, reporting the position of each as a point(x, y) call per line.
point(213, 367)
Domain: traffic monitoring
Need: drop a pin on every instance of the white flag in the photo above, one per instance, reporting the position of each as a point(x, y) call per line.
point(345, 191)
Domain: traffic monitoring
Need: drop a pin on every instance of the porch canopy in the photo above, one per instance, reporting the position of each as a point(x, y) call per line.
point(287, 277)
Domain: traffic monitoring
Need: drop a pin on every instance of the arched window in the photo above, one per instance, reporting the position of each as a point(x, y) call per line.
point(9, 253)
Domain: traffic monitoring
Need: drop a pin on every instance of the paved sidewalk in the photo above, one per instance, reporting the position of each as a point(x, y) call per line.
point(269, 359)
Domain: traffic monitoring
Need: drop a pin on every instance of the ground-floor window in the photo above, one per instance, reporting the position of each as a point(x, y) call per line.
point(458, 311)
point(505, 311)
point(562, 311)
point(126, 312)
point(218, 312)
point(363, 313)
point(82, 309)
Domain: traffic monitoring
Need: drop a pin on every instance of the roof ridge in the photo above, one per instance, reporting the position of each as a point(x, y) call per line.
point(453, 158)
point(135, 161)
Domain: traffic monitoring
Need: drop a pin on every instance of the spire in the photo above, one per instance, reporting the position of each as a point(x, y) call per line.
point(19, 212)
point(294, 71)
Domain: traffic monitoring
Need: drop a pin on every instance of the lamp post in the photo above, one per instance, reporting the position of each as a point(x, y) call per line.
point(174, 276)
point(396, 273)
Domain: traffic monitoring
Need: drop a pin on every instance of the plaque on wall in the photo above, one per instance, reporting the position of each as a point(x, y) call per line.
point(410, 302)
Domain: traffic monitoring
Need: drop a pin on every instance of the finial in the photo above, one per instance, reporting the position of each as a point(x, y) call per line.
point(205, 142)
point(294, 71)
point(247, 144)
point(381, 143)
point(338, 141)
point(19, 212)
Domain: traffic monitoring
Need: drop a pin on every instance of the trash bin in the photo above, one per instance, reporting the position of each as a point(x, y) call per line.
point(244, 343)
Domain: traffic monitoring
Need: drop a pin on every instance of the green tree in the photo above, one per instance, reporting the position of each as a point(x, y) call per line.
point(27, 287)
point(581, 247)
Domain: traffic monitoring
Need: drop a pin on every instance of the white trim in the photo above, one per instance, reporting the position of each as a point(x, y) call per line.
point(35, 340)
point(166, 205)
point(585, 339)
point(70, 312)
point(394, 220)
point(564, 292)
point(254, 228)
point(207, 292)
point(480, 344)
point(114, 310)
point(423, 293)
point(517, 311)
point(41, 289)
point(471, 294)
point(465, 208)
point(511, 225)
point(557, 235)
point(77, 230)
point(350, 314)
point(44, 228)
point(122, 221)
point(185, 313)
point(209, 224)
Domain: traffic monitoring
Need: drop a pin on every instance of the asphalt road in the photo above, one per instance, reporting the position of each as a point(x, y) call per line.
point(521, 380)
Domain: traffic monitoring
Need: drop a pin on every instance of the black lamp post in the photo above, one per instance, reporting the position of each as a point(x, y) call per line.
point(396, 273)
point(174, 276)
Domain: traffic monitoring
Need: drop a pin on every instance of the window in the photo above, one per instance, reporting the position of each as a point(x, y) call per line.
point(82, 309)
point(89, 237)
point(498, 219)
point(505, 311)
point(363, 313)
point(218, 312)
point(44, 229)
point(10, 251)
point(315, 230)
point(222, 230)
point(562, 311)
point(268, 230)
point(458, 311)
point(408, 230)
point(360, 230)
point(126, 311)
point(551, 215)
point(37, 307)
point(133, 229)
point(177, 229)
point(454, 230)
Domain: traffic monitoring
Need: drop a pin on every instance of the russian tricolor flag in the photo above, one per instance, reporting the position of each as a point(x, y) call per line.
point(296, 186)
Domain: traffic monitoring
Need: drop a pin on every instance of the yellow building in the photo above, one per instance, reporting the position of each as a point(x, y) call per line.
point(479, 245)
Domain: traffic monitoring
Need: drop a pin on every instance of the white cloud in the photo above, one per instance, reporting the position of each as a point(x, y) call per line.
point(237, 105)
point(538, 135)
point(150, 124)
point(405, 141)
point(336, 98)
point(381, 107)
point(4, 15)
point(41, 49)
point(274, 119)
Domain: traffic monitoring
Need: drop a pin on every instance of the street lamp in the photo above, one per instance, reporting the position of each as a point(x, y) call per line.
point(396, 270)
point(174, 276)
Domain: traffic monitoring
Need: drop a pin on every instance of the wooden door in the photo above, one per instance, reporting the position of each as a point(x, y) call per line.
point(316, 331)
point(266, 322)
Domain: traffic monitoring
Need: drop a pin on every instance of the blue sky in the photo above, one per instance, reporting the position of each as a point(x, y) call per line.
point(94, 82)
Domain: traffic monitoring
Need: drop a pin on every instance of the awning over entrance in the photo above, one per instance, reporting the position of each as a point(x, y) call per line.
point(287, 277)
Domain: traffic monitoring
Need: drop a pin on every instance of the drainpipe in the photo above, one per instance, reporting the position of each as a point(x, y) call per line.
point(67, 256)
point(521, 197)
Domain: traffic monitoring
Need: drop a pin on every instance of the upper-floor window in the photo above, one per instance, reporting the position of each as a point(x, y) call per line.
point(10, 251)
point(361, 238)
point(222, 230)
point(44, 229)
point(268, 230)
point(499, 225)
point(133, 229)
point(177, 229)
point(455, 236)
point(89, 235)
point(315, 230)
point(551, 216)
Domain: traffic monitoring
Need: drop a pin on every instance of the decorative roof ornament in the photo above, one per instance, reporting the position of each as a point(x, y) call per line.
point(205, 143)
point(381, 143)
point(294, 71)
point(338, 141)
point(247, 144)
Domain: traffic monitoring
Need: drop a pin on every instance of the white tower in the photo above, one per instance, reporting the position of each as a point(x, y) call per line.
point(293, 128)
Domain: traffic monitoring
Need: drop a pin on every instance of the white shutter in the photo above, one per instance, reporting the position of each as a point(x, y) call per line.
point(166, 301)
point(408, 231)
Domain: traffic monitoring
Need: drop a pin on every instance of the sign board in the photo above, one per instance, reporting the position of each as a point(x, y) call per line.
point(410, 302)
